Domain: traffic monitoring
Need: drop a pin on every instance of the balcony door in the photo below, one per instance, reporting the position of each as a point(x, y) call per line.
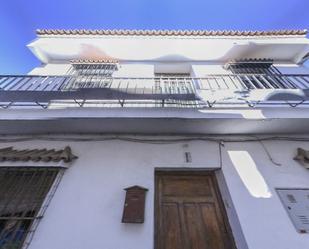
point(189, 212)
point(174, 83)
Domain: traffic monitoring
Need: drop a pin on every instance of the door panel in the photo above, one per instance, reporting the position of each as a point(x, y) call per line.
point(213, 225)
point(172, 228)
point(195, 230)
point(189, 212)
point(198, 187)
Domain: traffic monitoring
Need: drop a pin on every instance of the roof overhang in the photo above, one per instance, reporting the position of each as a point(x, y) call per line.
point(221, 47)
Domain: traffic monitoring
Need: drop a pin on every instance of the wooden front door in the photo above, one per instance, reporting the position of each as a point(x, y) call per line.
point(189, 212)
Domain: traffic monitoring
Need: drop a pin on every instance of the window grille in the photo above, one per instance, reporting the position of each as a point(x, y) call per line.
point(105, 69)
point(91, 75)
point(258, 75)
point(23, 200)
point(253, 68)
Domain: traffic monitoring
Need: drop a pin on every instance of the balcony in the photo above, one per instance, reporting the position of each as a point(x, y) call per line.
point(98, 91)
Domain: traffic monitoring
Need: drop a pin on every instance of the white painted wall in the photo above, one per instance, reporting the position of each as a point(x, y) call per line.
point(138, 70)
point(292, 69)
point(52, 69)
point(252, 180)
point(133, 69)
point(148, 69)
point(124, 69)
point(202, 70)
point(87, 207)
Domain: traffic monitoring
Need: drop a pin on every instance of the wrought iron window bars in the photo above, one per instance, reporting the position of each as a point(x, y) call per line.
point(24, 195)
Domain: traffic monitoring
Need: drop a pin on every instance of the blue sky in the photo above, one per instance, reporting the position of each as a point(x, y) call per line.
point(20, 18)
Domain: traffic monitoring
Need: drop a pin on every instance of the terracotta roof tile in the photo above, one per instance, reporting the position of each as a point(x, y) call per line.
point(36, 155)
point(169, 32)
point(250, 60)
point(92, 61)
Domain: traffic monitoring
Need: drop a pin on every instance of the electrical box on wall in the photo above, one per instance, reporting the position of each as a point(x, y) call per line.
point(296, 203)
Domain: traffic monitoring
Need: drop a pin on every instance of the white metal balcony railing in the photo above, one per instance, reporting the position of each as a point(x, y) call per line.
point(28, 90)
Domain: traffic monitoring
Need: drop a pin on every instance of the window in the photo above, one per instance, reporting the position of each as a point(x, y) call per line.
point(22, 194)
point(91, 75)
point(253, 68)
point(258, 74)
point(105, 69)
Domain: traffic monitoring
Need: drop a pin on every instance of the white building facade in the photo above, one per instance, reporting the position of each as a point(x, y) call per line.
point(211, 126)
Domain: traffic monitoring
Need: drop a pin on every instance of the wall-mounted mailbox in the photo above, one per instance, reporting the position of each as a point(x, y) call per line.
point(134, 206)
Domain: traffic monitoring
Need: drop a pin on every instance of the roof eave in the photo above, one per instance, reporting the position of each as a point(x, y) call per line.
point(197, 33)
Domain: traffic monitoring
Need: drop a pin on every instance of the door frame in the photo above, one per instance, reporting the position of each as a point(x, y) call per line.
point(224, 198)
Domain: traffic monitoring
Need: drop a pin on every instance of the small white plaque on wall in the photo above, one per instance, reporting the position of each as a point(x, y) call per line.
point(296, 203)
